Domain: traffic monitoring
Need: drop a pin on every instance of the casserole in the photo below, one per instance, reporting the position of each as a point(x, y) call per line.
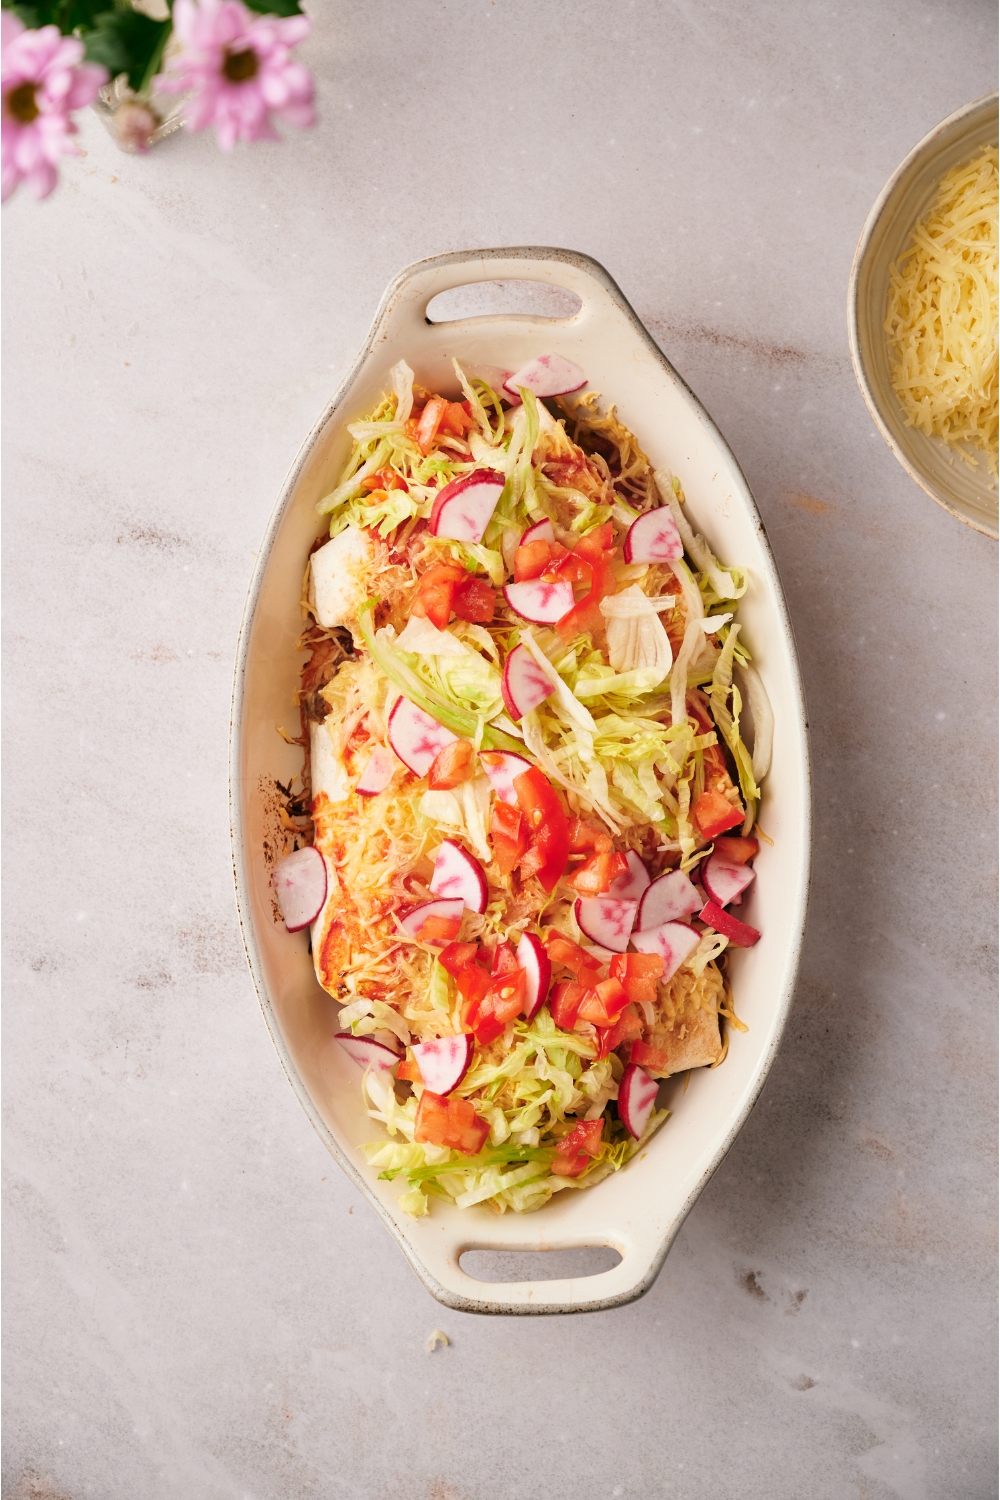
point(639, 1211)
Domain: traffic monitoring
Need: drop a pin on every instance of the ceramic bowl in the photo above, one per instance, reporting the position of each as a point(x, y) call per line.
point(639, 1210)
point(969, 494)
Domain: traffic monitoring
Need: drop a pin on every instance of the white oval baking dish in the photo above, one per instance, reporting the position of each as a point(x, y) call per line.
point(639, 1210)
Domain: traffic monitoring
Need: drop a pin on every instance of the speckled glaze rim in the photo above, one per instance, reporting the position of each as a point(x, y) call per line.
point(798, 899)
point(976, 106)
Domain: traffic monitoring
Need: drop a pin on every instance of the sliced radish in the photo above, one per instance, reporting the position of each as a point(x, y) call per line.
point(300, 887)
point(417, 738)
point(636, 1096)
point(493, 376)
point(666, 899)
point(367, 1052)
point(523, 684)
point(449, 910)
point(723, 880)
point(501, 766)
point(674, 941)
point(533, 959)
point(653, 538)
point(542, 531)
point(541, 603)
point(462, 510)
point(444, 1062)
point(606, 921)
point(548, 375)
point(630, 887)
point(459, 877)
point(741, 934)
point(377, 773)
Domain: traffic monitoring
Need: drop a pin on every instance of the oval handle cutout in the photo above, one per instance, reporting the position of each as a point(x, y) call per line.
point(539, 1265)
point(488, 299)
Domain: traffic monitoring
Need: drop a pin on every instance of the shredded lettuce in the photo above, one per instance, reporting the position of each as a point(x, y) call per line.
point(398, 671)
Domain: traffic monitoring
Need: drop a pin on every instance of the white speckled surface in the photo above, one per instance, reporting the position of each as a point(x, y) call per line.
point(198, 1306)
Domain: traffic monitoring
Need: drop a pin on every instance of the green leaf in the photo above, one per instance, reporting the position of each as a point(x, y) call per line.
point(275, 7)
point(127, 42)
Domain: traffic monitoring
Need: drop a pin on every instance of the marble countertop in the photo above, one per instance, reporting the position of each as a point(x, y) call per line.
point(199, 1306)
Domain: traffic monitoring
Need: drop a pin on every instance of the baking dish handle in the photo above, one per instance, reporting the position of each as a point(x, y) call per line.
point(404, 306)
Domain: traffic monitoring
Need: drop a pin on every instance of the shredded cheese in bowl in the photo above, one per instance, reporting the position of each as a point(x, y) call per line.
point(942, 315)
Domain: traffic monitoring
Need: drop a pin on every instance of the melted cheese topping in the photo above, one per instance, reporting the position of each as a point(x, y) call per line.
point(942, 314)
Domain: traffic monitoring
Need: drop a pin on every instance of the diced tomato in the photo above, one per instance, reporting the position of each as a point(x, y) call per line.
point(564, 1003)
point(384, 479)
point(474, 600)
point(409, 1069)
point(456, 419)
point(585, 836)
point(714, 813)
point(435, 592)
point(508, 834)
point(451, 766)
point(598, 544)
point(605, 1003)
point(449, 1121)
point(531, 561)
point(595, 876)
point(504, 961)
point(737, 850)
point(649, 1057)
point(533, 860)
point(638, 973)
point(561, 950)
point(428, 423)
point(456, 956)
point(468, 1133)
point(636, 966)
point(590, 564)
point(625, 1028)
point(440, 929)
point(506, 997)
point(547, 824)
point(431, 1124)
point(576, 1149)
point(569, 1166)
point(473, 985)
point(502, 1004)
point(585, 1136)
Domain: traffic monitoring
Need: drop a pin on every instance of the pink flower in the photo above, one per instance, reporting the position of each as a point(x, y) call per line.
point(239, 70)
point(42, 79)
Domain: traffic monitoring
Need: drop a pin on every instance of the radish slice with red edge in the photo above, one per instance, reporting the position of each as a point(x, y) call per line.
point(444, 1062)
point(636, 1096)
point(523, 684)
point(377, 773)
point(629, 887)
point(533, 959)
point(670, 896)
point(542, 531)
point(417, 738)
point(541, 603)
point(501, 766)
point(653, 538)
point(606, 921)
point(457, 876)
point(548, 375)
point(367, 1052)
point(724, 881)
point(674, 942)
point(413, 921)
point(463, 509)
point(740, 934)
point(300, 887)
point(494, 376)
